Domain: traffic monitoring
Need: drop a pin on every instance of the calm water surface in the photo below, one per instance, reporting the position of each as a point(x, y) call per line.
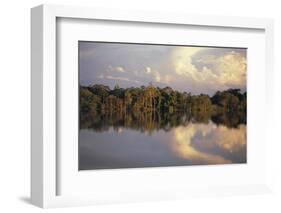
point(190, 143)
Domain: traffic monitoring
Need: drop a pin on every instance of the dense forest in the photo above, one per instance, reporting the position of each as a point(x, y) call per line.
point(154, 107)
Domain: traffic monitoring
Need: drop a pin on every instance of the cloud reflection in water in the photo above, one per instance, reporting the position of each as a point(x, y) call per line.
point(191, 144)
point(210, 144)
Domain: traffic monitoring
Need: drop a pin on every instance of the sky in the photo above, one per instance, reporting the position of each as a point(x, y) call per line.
point(184, 68)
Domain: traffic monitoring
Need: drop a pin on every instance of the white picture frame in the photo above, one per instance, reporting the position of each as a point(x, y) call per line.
point(44, 148)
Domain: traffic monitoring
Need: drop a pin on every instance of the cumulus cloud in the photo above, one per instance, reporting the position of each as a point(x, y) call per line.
point(182, 62)
point(120, 69)
point(221, 68)
point(156, 76)
point(148, 70)
point(184, 68)
point(116, 69)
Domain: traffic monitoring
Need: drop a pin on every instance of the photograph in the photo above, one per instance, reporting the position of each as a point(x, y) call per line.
point(161, 105)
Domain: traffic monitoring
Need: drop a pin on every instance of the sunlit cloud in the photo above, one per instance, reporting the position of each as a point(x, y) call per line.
point(224, 70)
point(148, 70)
point(157, 76)
point(120, 69)
point(182, 62)
point(232, 69)
point(184, 68)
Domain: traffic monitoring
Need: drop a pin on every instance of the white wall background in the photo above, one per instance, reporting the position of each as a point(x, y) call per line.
point(15, 105)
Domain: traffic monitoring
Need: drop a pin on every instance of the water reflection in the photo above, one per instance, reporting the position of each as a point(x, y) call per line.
point(130, 141)
point(210, 144)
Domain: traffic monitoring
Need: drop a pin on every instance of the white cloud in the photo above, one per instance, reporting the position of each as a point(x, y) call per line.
point(232, 68)
point(120, 69)
point(148, 70)
point(157, 76)
point(116, 69)
point(182, 62)
point(221, 70)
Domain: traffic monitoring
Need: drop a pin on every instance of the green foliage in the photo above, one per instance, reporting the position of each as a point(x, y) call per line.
point(230, 100)
point(151, 104)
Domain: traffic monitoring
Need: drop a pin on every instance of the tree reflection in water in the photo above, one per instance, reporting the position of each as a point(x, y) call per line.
point(153, 121)
point(132, 140)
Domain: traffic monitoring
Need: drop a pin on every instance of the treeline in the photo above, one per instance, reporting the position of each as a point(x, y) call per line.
point(99, 98)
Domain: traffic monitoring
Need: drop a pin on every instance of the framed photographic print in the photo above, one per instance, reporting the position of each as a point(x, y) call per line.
point(133, 106)
point(151, 105)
